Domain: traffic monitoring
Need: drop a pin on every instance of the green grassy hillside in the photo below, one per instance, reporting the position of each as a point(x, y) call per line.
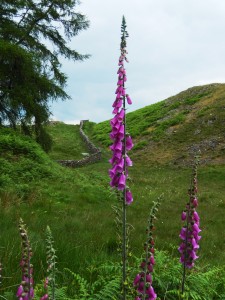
point(69, 137)
point(76, 203)
point(33, 186)
point(173, 130)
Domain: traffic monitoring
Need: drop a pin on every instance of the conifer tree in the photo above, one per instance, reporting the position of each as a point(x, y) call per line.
point(34, 35)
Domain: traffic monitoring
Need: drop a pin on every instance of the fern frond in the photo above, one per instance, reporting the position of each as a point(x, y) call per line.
point(80, 284)
point(110, 291)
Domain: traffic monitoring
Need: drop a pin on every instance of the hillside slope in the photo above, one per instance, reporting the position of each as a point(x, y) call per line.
point(77, 204)
point(174, 130)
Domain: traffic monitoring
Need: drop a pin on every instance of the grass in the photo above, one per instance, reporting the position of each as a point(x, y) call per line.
point(69, 136)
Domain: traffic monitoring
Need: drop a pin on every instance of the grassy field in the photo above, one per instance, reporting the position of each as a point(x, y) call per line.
point(77, 203)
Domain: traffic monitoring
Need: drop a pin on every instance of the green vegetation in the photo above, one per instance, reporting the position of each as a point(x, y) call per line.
point(140, 145)
point(76, 203)
point(69, 137)
point(193, 100)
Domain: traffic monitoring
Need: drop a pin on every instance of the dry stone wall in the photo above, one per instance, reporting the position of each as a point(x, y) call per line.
point(94, 156)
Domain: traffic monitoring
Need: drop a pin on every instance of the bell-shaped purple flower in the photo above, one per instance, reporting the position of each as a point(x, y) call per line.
point(112, 172)
point(196, 236)
point(193, 255)
point(141, 286)
point(129, 197)
point(150, 267)
point(151, 293)
point(196, 228)
point(116, 127)
point(120, 70)
point(196, 216)
point(183, 216)
point(137, 279)
point(120, 133)
point(118, 146)
point(190, 264)
point(129, 143)
point(182, 247)
point(114, 181)
point(122, 182)
point(118, 155)
point(183, 233)
point(195, 245)
point(149, 278)
point(19, 291)
point(152, 260)
point(129, 101)
point(120, 63)
point(115, 110)
point(195, 202)
point(114, 120)
point(129, 162)
point(120, 116)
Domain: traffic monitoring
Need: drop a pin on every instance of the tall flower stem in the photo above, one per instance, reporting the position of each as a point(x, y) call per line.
point(124, 251)
point(122, 143)
point(124, 242)
point(189, 233)
point(143, 280)
point(25, 290)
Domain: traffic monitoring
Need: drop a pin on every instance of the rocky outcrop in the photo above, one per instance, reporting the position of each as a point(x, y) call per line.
point(94, 156)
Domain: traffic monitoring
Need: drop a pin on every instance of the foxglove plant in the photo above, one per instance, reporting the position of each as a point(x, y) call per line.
point(122, 143)
point(190, 231)
point(25, 290)
point(143, 280)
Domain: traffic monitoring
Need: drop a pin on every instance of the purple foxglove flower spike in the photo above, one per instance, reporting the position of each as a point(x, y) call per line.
point(120, 161)
point(189, 233)
point(143, 281)
point(25, 290)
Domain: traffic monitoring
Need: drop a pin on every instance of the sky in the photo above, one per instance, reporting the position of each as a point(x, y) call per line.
point(172, 46)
